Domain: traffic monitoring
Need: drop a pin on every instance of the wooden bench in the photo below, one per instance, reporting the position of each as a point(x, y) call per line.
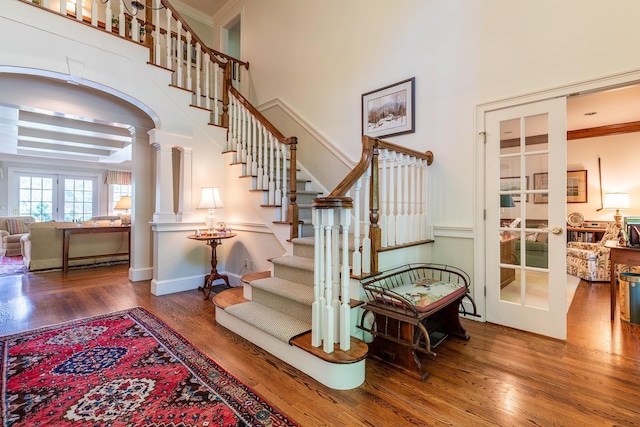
point(411, 309)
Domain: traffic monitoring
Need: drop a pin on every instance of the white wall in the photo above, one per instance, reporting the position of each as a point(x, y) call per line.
point(320, 57)
point(620, 172)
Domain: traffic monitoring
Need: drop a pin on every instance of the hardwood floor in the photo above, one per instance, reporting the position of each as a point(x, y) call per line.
point(500, 376)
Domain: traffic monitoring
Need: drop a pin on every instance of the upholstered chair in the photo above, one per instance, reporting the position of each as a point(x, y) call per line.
point(590, 261)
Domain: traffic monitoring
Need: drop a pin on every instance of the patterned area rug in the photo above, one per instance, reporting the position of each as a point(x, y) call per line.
point(121, 369)
point(10, 265)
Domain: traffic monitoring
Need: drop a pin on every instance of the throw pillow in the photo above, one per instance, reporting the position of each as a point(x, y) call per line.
point(17, 226)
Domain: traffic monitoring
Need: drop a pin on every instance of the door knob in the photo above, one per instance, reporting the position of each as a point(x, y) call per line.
point(554, 230)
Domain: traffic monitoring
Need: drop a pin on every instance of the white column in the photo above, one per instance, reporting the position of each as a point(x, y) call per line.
point(164, 142)
point(185, 197)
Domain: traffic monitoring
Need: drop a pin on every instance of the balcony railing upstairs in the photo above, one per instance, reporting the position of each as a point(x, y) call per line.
point(385, 196)
point(172, 45)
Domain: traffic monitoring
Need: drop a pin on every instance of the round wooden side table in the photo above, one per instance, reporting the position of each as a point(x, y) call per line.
point(213, 240)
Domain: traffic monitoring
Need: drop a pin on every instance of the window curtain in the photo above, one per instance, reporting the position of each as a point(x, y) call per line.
point(118, 177)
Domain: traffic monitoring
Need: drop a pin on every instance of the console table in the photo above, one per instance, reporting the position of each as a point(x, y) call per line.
point(212, 240)
point(621, 255)
point(66, 239)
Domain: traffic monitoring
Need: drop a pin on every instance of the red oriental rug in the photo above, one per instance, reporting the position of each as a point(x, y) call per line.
point(121, 369)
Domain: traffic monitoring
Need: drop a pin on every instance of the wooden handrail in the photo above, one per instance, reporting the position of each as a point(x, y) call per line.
point(258, 115)
point(213, 53)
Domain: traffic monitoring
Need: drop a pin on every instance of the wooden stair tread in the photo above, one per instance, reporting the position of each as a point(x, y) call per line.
point(229, 297)
point(356, 353)
point(248, 278)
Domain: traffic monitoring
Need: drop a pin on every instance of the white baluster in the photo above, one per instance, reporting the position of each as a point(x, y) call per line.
point(400, 202)
point(199, 102)
point(78, 9)
point(63, 8)
point(425, 188)
point(356, 257)
point(413, 231)
point(169, 41)
point(328, 315)
point(391, 221)
point(285, 189)
point(272, 185)
point(382, 221)
point(260, 154)
point(265, 159)
point(277, 198)
point(122, 22)
point(335, 278)
point(135, 29)
point(317, 308)
point(345, 307)
point(207, 87)
point(405, 199)
point(94, 13)
point(157, 57)
point(216, 93)
point(108, 18)
point(189, 64)
point(180, 54)
point(254, 148)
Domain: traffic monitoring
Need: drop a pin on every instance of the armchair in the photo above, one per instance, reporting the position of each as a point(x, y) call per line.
point(590, 261)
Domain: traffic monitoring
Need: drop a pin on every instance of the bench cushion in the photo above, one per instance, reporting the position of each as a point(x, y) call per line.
point(427, 294)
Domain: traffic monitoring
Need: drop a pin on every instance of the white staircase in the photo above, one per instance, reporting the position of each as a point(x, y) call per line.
point(275, 314)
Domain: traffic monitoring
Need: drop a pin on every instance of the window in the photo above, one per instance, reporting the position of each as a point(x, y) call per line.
point(78, 199)
point(49, 196)
point(35, 196)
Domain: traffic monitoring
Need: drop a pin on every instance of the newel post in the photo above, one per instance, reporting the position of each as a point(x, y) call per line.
point(375, 233)
point(224, 120)
point(293, 209)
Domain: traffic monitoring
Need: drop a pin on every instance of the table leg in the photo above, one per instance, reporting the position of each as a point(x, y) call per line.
point(214, 275)
point(66, 235)
point(613, 285)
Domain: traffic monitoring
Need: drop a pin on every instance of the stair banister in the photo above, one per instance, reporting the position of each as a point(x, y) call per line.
point(278, 156)
point(332, 214)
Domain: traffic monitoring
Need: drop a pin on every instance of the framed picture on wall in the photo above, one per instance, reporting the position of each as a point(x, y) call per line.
point(577, 186)
point(389, 111)
point(541, 182)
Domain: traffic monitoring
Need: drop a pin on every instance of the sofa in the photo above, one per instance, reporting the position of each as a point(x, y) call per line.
point(590, 261)
point(42, 246)
point(12, 228)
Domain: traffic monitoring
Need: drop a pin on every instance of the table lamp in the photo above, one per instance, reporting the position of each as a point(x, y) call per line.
point(210, 200)
point(124, 204)
point(616, 201)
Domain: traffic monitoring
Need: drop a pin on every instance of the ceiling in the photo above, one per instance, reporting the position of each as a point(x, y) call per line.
point(207, 7)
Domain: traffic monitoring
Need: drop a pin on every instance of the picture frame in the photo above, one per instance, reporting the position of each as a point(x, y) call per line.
point(541, 182)
point(512, 183)
point(389, 111)
point(577, 186)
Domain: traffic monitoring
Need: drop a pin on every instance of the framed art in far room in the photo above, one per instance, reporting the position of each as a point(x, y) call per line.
point(389, 111)
point(541, 182)
point(577, 186)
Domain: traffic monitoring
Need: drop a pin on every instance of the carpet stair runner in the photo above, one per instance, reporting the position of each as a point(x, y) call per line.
point(278, 307)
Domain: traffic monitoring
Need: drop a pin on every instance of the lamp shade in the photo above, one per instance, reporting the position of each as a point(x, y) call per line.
point(124, 203)
point(616, 201)
point(506, 201)
point(210, 198)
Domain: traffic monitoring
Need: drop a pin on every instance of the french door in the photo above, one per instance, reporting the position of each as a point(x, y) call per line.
point(49, 197)
point(525, 183)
